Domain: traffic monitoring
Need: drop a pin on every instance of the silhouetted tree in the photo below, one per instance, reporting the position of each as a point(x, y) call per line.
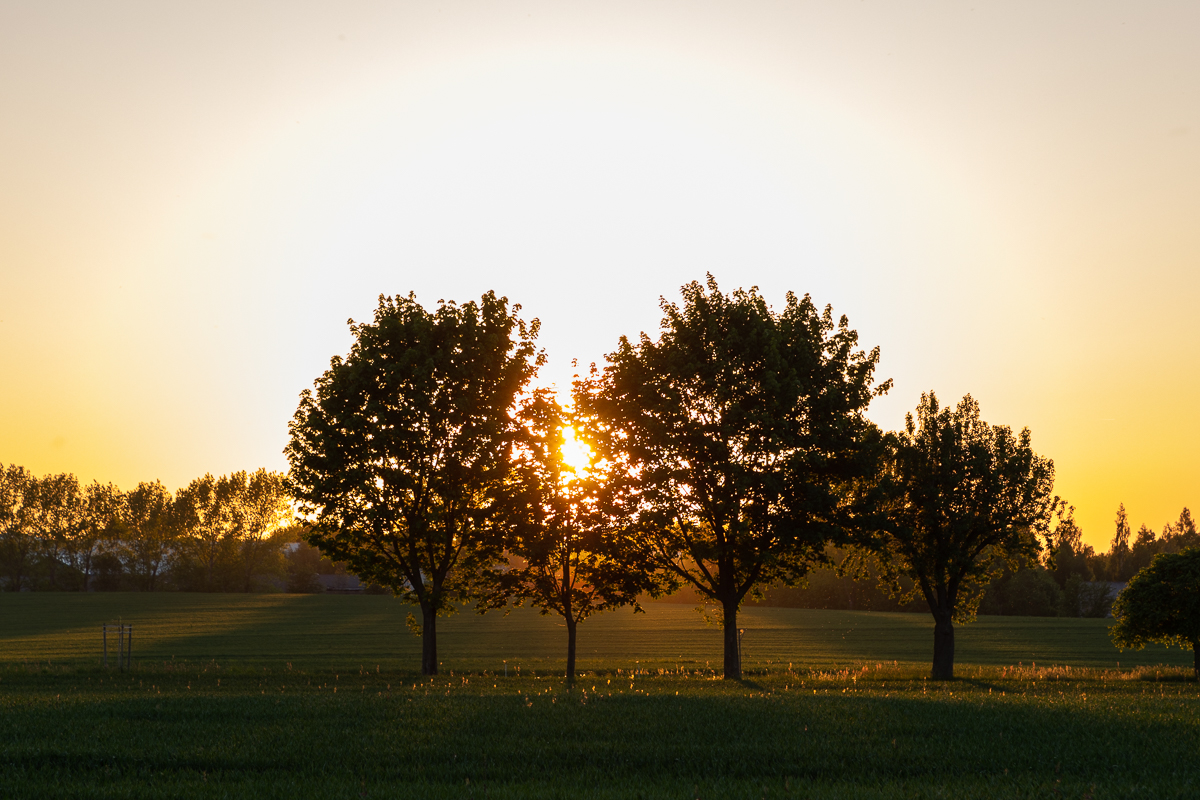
point(1027, 592)
point(261, 508)
point(1162, 604)
point(743, 428)
point(57, 514)
point(1181, 534)
point(399, 455)
point(98, 528)
point(1146, 545)
point(18, 542)
point(968, 499)
point(304, 563)
point(1118, 552)
point(152, 519)
point(574, 556)
point(1067, 554)
point(208, 528)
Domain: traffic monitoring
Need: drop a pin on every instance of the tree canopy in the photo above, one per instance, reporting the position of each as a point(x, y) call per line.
point(571, 552)
point(151, 515)
point(966, 498)
point(741, 428)
point(400, 454)
point(1161, 604)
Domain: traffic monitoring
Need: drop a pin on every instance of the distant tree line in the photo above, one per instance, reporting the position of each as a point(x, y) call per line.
point(59, 535)
point(225, 534)
point(1068, 578)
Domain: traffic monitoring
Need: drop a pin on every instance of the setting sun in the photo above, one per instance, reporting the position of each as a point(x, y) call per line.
point(575, 454)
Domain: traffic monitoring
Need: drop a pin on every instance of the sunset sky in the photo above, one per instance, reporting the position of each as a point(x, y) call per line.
point(1004, 196)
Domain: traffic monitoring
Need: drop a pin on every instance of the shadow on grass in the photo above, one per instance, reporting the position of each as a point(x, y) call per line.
point(322, 630)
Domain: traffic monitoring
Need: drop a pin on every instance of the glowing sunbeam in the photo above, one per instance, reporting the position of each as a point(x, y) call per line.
point(575, 454)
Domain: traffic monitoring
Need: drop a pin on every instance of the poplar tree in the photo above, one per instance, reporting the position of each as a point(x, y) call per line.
point(1119, 551)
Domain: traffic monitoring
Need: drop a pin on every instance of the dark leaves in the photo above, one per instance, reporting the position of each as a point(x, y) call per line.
point(400, 453)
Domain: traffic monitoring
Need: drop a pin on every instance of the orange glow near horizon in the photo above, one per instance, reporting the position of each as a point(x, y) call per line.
point(195, 201)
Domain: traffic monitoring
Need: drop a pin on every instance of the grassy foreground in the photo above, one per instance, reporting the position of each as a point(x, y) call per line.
point(296, 697)
point(876, 732)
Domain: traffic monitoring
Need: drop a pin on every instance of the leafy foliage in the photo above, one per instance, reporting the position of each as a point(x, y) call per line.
point(1124, 562)
point(228, 530)
point(400, 456)
point(154, 523)
point(206, 507)
point(18, 501)
point(1162, 604)
point(220, 534)
point(1027, 592)
point(262, 511)
point(740, 429)
point(571, 553)
point(1081, 598)
point(968, 498)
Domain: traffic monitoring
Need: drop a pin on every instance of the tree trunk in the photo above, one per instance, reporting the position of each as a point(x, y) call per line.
point(572, 625)
point(943, 645)
point(733, 656)
point(1196, 658)
point(569, 617)
point(429, 662)
point(249, 585)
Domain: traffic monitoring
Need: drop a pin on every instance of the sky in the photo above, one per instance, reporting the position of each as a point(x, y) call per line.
point(1003, 196)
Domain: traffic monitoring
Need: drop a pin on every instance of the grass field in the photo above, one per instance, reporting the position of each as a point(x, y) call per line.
point(213, 708)
point(340, 631)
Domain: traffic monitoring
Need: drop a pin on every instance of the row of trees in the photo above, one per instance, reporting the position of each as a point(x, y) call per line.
point(727, 455)
point(1069, 578)
point(1127, 557)
point(215, 534)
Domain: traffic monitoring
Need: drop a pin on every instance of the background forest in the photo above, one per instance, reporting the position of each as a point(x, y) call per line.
point(235, 533)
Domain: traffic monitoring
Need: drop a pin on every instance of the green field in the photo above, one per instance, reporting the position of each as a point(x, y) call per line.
point(294, 697)
point(341, 631)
